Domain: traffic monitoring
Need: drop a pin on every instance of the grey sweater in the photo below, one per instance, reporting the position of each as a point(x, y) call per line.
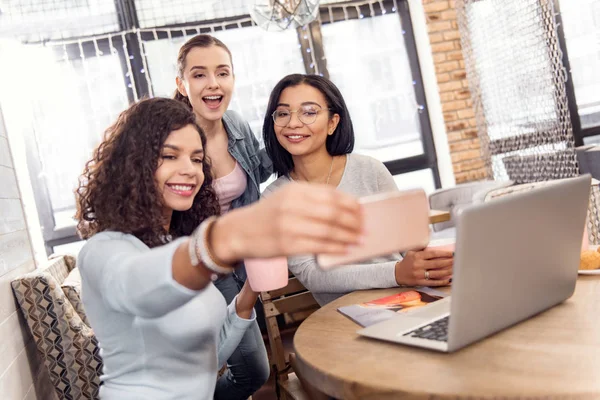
point(362, 176)
point(158, 339)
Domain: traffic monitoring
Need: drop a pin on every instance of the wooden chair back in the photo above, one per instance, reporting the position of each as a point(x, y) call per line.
point(284, 309)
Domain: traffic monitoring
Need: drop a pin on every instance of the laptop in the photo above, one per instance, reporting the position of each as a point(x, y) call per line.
point(516, 256)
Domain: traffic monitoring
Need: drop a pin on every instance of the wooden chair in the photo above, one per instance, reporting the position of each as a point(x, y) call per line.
point(291, 305)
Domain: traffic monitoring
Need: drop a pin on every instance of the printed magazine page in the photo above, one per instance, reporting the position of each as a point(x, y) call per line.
point(377, 310)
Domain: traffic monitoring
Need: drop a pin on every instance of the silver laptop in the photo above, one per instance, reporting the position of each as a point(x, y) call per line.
point(515, 257)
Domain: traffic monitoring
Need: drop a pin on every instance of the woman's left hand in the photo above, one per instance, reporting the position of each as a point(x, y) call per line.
point(425, 268)
point(245, 301)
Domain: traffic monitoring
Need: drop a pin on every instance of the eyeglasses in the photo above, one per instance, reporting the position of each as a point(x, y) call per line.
point(306, 115)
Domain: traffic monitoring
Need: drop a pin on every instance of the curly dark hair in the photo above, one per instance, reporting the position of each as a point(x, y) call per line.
point(118, 191)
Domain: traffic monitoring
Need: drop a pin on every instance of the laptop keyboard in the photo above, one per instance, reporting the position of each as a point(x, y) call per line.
point(437, 330)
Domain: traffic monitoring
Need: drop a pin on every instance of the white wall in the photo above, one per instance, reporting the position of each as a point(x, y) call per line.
point(434, 104)
point(22, 375)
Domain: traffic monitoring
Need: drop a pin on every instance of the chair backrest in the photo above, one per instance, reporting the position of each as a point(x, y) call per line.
point(293, 303)
point(519, 188)
point(455, 198)
point(592, 220)
point(68, 346)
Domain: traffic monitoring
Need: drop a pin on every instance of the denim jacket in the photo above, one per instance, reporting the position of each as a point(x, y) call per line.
point(244, 147)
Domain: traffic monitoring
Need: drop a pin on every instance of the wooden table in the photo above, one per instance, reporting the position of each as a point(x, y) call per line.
point(555, 354)
point(436, 216)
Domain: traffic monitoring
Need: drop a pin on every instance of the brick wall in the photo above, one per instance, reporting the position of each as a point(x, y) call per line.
point(452, 82)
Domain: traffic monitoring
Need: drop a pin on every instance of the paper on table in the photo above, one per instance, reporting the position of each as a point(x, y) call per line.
point(405, 301)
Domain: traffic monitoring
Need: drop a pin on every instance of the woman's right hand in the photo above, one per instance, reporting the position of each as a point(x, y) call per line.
point(300, 218)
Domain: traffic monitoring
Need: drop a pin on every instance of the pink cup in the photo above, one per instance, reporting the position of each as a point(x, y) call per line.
point(442, 244)
point(267, 273)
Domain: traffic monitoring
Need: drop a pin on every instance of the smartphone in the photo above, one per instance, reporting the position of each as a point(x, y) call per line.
point(394, 222)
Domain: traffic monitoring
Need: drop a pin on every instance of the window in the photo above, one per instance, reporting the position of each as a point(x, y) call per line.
point(255, 76)
point(152, 13)
point(99, 55)
point(35, 21)
point(72, 110)
point(375, 78)
point(581, 25)
point(417, 179)
point(368, 50)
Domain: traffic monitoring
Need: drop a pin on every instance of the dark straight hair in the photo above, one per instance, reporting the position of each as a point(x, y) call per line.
point(338, 143)
point(202, 41)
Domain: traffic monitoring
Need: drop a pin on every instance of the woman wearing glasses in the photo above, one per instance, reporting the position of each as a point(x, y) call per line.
point(205, 82)
point(309, 136)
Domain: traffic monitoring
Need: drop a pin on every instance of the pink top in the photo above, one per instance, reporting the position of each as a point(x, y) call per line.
point(230, 187)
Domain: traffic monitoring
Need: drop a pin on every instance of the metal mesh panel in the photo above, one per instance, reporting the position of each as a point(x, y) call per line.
point(517, 81)
point(40, 20)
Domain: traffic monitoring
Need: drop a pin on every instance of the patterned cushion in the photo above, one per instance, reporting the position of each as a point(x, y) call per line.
point(60, 266)
point(68, 345)
point(72, 289)
point(540, 167)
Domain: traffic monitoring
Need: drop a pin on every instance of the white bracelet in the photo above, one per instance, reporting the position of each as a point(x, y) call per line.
point(199, 249)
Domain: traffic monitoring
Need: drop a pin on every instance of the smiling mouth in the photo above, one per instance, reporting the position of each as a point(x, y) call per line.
point(181, 190)
point(213, 101)
point(296, 138)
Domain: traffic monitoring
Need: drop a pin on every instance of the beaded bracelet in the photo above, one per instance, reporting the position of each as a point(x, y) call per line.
point(199, 250)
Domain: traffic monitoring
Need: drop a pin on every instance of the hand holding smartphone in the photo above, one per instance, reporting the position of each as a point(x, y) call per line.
point(394, 222)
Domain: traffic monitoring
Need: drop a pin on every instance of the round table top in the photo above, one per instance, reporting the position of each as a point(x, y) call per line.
point(556, 353)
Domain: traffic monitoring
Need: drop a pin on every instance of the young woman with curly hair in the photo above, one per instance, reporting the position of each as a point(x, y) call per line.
point(146, 205)
point(205, 83)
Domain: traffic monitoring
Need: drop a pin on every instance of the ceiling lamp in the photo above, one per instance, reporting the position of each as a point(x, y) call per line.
point(278, 15)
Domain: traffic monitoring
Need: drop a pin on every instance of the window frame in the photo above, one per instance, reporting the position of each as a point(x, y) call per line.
point(427, 160)
point(579, 133)
point(137, 85)
point(52, 235)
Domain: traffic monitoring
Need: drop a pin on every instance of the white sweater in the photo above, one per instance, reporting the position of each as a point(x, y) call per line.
point(158, 339)
point(362, 176)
